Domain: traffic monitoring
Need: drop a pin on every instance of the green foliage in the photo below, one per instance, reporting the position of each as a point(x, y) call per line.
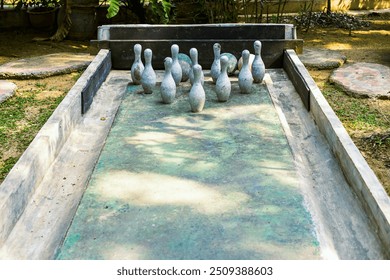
point(161, 9)
point(113, 9)
point(148, 11)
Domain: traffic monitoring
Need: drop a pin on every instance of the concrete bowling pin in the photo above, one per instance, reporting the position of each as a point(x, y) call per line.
point(177, 72)
point(148, 78)
point(194, 59)
point(168, 85)
point(245, 79)
point(258, 67)
point(138, 67)
point(197, 96)
point(215, 69)
point(223, 85)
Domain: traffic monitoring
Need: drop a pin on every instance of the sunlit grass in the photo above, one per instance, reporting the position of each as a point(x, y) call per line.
point(18, 125)
point(355, 113)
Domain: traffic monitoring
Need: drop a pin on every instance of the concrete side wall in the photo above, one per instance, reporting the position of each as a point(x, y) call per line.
point(356, 170)
point(293, 71)
point(96, 73)
point(25, 177)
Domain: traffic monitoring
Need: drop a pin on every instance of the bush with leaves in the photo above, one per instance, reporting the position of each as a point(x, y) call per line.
point(148, 11)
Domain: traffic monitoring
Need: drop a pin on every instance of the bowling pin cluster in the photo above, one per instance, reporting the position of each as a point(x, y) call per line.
point(145, 75)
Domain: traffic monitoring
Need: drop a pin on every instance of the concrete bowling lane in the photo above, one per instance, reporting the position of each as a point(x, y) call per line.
point(171, 184)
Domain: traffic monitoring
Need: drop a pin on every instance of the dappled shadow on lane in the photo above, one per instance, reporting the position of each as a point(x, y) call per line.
point(171, 184)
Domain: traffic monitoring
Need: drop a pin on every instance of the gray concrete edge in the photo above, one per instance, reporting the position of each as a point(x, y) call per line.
point(26, 175)
point(358, 173)
point(97, 74)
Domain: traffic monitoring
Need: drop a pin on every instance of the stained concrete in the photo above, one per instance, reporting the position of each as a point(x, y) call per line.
point(7, 89)
point(364, 79)
point(345, 227)
point(45, 66)
point(171, 184)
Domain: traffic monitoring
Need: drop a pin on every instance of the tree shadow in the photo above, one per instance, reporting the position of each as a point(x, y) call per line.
point(170, 184)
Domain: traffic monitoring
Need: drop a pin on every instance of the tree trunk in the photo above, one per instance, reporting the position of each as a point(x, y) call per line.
point(329, 7)
point(65, 24)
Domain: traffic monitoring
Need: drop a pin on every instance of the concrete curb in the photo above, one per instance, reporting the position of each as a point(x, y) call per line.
point(24, 178)
point(360, 176)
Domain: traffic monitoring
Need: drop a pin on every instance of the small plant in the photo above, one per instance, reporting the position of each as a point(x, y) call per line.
point(40, 85)
point(379, 139)
point(305, 15)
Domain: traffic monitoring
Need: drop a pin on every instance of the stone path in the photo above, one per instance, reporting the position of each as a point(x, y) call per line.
point(364, 80)
point(7, 89)
point(45, 66)
point(322, 58)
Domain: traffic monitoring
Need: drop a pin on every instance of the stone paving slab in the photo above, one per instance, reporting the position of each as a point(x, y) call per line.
point(7, 89)
point(45, 66)
point(322, 58)
point(364, 80)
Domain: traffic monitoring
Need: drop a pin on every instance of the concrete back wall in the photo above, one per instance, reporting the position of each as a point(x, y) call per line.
point(234, 38)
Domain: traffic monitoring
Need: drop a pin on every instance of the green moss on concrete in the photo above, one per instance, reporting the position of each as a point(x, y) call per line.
point(171, 184)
